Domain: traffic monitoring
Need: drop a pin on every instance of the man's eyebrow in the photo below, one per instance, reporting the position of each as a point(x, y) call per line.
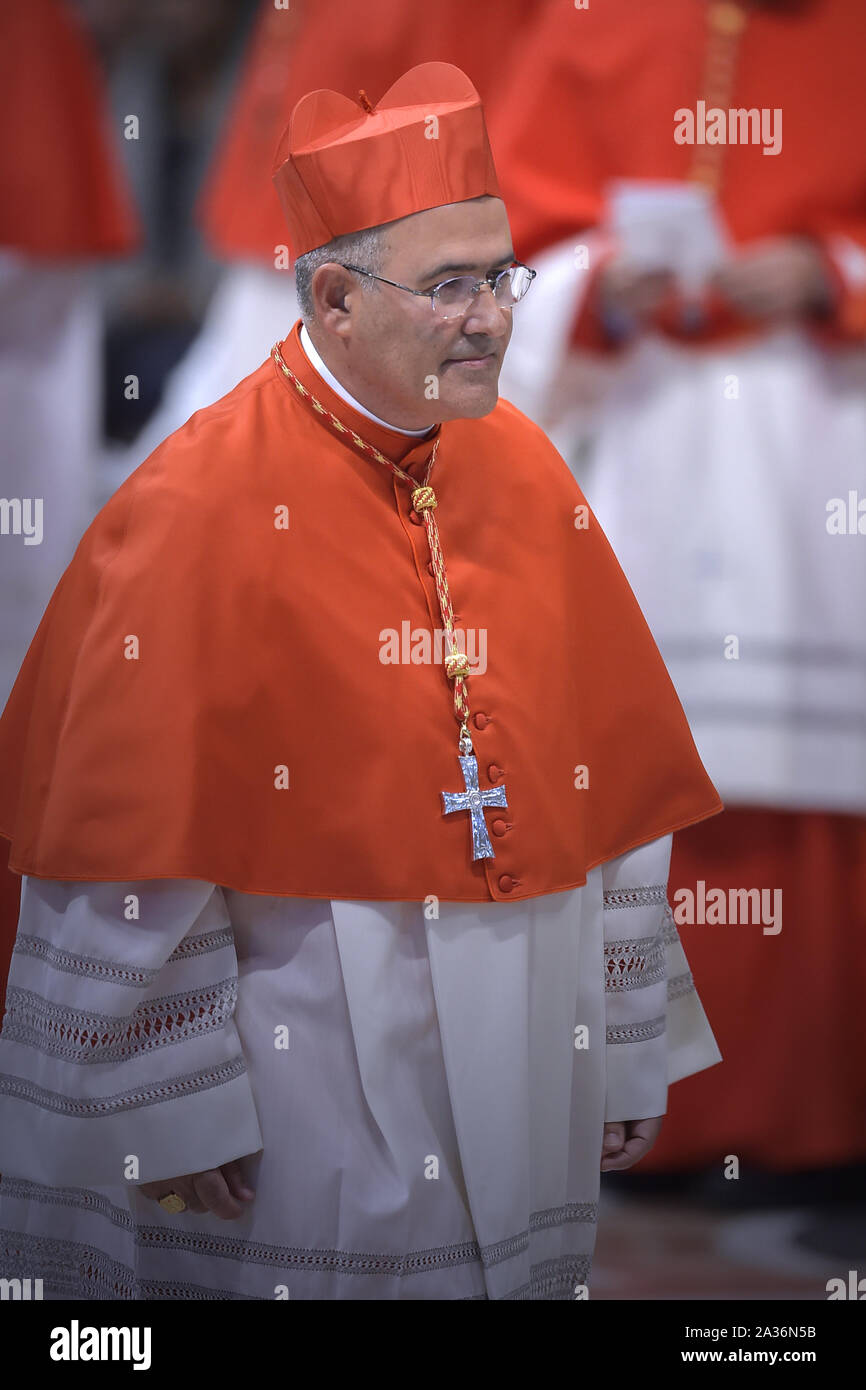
point(440, 270)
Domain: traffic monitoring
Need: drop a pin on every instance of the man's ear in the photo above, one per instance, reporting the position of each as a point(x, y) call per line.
point(332, 289)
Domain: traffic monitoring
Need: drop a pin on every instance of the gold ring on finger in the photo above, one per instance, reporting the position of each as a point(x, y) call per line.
point(173, 1203)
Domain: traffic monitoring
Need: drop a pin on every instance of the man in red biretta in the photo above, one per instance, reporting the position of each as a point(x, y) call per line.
point(344, 964)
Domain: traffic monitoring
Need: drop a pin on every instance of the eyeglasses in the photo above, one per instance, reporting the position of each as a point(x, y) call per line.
point(451, 299)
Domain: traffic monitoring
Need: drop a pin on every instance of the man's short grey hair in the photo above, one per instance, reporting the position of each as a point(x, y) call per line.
point(365, 248)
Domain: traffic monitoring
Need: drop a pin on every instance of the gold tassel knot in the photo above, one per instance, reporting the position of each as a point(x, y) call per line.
point(456, 666)
point(424, 499)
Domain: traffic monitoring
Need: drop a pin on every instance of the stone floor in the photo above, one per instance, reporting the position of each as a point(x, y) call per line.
point(783, 1238)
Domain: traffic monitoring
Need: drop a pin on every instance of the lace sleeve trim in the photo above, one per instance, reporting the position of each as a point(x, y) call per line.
point(85, 1109)
point(634, 963)
point(635, 1032)
point(648, 895)
point(116, 972)
point(87, 1038)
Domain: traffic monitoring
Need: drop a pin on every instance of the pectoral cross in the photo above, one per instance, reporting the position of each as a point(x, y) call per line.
point(474, 801)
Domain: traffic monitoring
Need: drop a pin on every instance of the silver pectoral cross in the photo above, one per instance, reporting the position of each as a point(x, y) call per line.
point(474, 801)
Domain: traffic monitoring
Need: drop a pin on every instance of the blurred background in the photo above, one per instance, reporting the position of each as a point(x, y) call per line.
point(689, 181)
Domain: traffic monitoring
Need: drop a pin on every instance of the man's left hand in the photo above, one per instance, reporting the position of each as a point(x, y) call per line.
point(778, 278)
point(626, 1142)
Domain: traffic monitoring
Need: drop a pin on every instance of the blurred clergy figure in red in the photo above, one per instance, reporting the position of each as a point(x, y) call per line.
point(65, 205)
point(690, 180)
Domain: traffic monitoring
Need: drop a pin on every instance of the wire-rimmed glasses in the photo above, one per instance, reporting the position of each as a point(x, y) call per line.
point(451, 299)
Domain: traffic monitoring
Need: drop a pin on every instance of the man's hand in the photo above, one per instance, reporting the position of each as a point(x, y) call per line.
point(626, 1142)
point(778, 278)
point(220, 1190)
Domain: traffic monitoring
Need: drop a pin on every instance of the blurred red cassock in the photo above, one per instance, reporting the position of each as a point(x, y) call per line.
point(791, 1090)
point(593, 98)
point(64, 194)
point(344, 46)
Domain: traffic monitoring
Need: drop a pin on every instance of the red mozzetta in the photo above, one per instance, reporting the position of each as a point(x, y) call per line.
point(227, 614)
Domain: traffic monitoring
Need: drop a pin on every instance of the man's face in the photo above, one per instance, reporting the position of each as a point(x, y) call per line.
point(398, 351)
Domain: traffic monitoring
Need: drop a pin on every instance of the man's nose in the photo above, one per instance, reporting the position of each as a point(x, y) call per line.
point(486, 316)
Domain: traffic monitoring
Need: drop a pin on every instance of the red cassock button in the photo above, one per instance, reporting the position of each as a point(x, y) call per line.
point(494, 772)
point(480, 721)
point(416, 518)
point(430, 569)
point(506, 883)
point(499, 827)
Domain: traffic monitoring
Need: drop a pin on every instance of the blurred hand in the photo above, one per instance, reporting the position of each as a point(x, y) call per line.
point(779, 278)
point(626, 1142)
point(219, 1190)
point(631, 290)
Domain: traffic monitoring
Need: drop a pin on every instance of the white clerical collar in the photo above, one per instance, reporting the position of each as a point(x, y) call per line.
point(335, 385)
